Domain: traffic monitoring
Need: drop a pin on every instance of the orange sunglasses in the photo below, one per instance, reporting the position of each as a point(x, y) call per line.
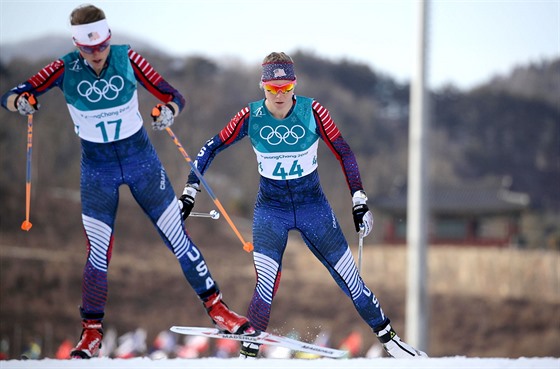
point(274, 89)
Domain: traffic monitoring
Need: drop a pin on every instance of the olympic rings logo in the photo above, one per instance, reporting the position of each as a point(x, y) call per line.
point(101, 89)
point(275, 136)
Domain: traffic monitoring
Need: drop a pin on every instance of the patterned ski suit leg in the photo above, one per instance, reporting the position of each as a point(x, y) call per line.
point(100, 197)
point(322, 234)
point(270, 236)
point(134, 162)
point(154, 193)
point(300, 204)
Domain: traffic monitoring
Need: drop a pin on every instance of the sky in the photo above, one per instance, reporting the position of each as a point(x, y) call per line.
point(469, 41)
point(383, 363)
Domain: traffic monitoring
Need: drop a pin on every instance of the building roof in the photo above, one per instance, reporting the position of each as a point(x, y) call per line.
point(459, 200)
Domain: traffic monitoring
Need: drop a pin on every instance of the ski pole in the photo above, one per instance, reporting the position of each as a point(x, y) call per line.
point(247, 246)
point(26, 225)
point(212, 214)
point(360, 248)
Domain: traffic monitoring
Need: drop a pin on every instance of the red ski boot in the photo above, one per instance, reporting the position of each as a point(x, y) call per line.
point(90, 340)
point(225, 319)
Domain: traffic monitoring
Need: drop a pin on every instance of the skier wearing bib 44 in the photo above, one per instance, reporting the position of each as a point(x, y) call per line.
point(284, 130)
point(99, 82)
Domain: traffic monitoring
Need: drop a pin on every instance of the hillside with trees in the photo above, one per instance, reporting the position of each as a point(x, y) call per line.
point(494, 131)
point(508, 127)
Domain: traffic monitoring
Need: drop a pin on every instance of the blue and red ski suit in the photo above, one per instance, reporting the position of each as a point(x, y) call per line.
point(290, 197)
point(116, 151)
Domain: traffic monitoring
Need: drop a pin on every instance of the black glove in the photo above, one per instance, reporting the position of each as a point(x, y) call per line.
point(361, 214)
point(186, 200)
point(358, 212)
point(187, 205)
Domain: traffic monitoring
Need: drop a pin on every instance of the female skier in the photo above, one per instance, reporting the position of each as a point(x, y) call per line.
point(99, 83)
point(284, 130)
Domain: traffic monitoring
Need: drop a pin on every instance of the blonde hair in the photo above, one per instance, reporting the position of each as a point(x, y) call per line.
point(85, 14)
point(277, 57)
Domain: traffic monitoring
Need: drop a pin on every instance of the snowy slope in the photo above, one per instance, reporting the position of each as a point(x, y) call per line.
point(210, 363)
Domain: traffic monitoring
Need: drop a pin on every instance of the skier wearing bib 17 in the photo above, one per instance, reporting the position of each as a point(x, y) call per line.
point(99, 82)
point(284, 130)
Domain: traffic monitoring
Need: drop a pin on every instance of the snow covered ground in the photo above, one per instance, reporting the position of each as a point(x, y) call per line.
point(212, 363)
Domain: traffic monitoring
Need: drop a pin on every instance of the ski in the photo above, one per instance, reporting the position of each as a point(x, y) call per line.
point(263, 338)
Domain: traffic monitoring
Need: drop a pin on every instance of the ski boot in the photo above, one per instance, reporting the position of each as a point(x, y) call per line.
point(90, 340)
point(225, 319)
point(394, 346)
point(249, 350)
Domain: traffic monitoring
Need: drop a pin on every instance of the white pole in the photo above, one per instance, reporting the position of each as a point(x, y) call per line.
point(418, 203)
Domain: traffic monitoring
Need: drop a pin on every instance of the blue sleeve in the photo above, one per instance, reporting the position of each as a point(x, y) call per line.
point(209, 151)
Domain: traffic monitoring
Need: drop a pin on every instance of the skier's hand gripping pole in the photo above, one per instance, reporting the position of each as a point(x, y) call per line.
point(247, 246)
point(26, 225)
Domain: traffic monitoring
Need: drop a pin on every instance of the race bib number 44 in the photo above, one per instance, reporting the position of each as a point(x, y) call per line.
point(282, 166)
